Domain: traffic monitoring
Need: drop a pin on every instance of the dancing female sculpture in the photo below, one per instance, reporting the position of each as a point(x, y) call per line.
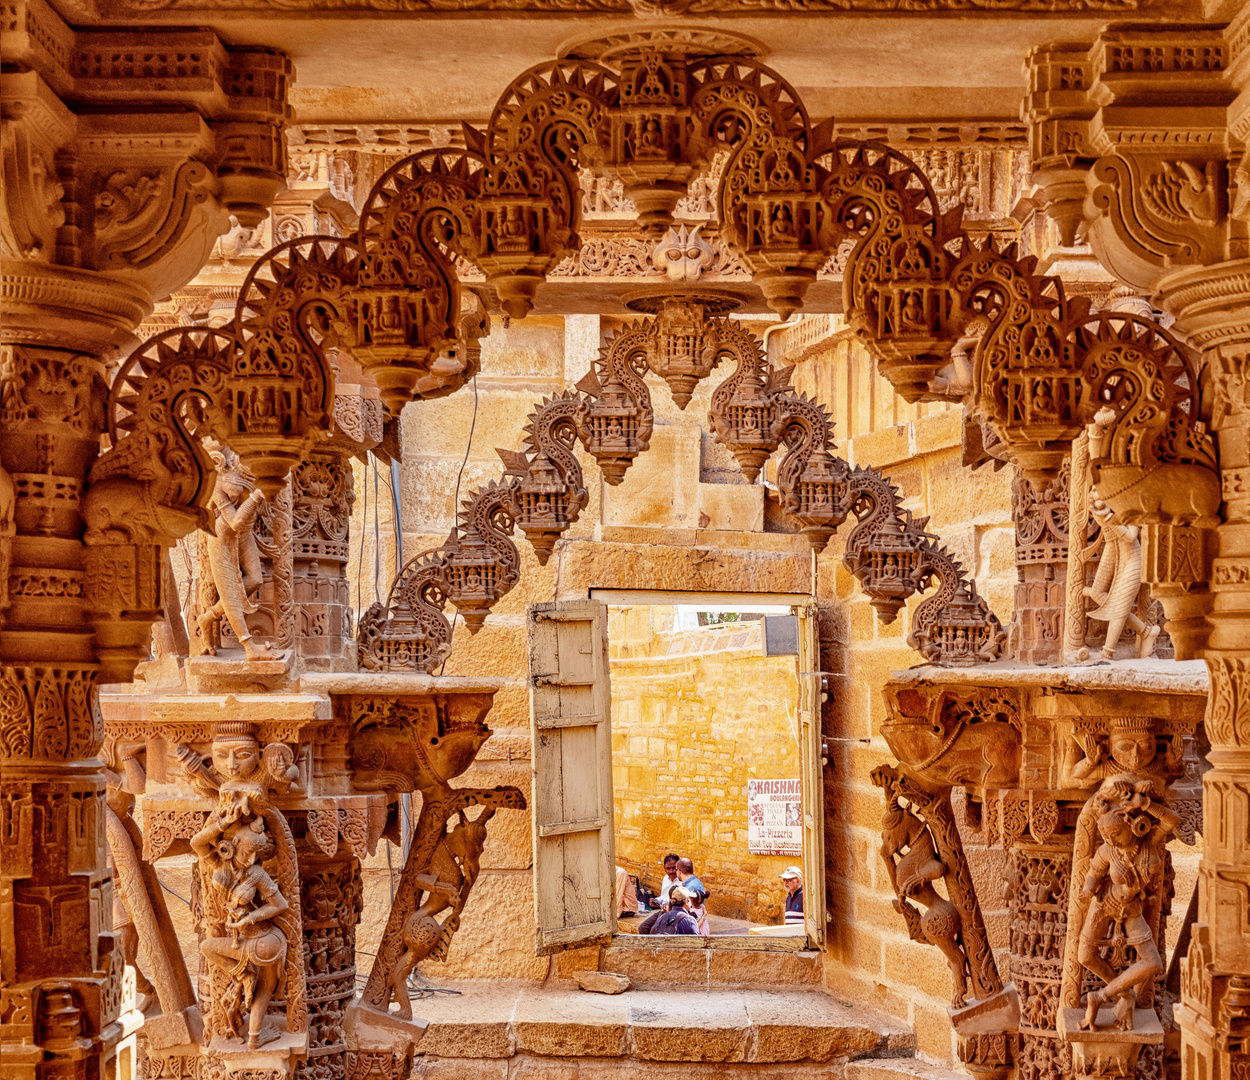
point(1125, 876)
point(233, 560)
point(253, 937)
point(253, 954)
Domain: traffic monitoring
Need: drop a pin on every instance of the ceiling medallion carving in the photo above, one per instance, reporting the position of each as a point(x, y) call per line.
point(631, 41)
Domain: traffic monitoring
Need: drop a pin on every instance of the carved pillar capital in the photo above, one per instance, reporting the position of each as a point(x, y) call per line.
point(1141, 115)
point(106, 208)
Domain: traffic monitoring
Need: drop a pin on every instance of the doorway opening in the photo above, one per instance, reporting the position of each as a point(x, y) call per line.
point(714, 730)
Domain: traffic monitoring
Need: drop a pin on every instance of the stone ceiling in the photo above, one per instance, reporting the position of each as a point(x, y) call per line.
point(369, 60)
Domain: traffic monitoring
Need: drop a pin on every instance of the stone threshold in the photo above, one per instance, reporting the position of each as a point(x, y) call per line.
point(794, 943)
point(489, 1025)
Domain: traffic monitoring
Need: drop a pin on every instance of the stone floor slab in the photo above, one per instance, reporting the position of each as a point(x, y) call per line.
point(807, 1027)
point(477, 1023)
point(571, 1023)
point(667, 1026)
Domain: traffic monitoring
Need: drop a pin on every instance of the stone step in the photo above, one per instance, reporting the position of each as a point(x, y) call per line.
point(491, 1032)
point(899, 1068)
point(658, 967)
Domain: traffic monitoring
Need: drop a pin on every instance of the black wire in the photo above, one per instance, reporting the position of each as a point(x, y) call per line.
point(455, 505)
point(364, 522)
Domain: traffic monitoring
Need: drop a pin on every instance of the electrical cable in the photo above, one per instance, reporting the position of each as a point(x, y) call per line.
point(455, 503)
point(171, 891)
point(377, 533)
point(360, 563)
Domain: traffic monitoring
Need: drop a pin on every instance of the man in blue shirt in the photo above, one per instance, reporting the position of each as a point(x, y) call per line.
point(685, 875)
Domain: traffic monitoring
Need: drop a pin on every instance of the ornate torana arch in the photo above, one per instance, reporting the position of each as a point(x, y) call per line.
point(791, 195)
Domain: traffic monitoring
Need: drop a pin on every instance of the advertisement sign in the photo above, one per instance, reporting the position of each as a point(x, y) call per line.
point(775, 817)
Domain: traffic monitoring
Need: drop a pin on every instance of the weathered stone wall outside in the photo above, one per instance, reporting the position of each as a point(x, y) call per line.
point(695, 715)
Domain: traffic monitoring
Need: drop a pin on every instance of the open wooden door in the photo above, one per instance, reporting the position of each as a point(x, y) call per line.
point(570, 724)
point(811, 695)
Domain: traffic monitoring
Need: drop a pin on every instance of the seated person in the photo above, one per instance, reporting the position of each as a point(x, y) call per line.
point(685, 875)
point(669, 880)
point(792, 879)
point(698, 909)
point(677, 920)
point(661, 900)
point(626, 895)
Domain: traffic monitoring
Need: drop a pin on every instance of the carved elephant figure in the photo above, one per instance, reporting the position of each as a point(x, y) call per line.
point(1171, 493)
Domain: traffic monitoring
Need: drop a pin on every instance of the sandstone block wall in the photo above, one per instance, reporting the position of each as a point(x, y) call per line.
point(695, 715)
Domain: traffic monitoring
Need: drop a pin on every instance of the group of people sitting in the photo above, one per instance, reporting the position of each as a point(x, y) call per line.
point(680, 906)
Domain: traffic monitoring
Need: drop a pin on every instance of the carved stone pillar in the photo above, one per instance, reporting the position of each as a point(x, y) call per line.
point(1153, 119)
point(103, 210)
point(1215, 1011)
point(322, 498)
point(1038, 879)
point(1041, 519)
point(332, 900)
point(1156, 119)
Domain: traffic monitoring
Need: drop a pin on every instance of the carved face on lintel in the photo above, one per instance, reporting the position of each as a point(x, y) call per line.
point(235, 756)
point(1132, 748)
point(1128, 744)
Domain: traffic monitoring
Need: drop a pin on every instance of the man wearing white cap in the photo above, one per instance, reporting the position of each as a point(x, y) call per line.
point(792, 879)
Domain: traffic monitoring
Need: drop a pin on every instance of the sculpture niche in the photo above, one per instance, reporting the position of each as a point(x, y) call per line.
point(252, 932)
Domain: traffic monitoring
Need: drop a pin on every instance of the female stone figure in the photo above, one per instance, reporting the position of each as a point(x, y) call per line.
point(253, 930)
point(1118, 581)
point(253, 954)
point(233, 568)
point(1122, 884)
point(906, 838)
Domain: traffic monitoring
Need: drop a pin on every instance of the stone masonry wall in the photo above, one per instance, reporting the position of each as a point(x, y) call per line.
point(695, 715)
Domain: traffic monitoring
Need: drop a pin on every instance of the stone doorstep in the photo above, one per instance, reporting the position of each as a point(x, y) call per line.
point(489, 1023)
point(678, 964)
